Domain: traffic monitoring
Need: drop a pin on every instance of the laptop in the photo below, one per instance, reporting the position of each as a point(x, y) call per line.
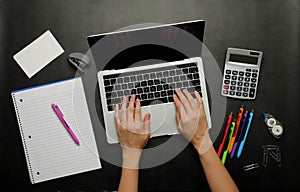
point(153, 83)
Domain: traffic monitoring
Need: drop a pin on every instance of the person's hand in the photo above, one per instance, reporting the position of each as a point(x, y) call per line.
point(191, 120)
point(133, 134)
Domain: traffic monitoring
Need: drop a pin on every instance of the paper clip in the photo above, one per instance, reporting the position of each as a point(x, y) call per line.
point(251, 166)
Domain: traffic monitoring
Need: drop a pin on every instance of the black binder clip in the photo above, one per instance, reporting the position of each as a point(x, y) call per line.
point(272, 151)
point(79, 60)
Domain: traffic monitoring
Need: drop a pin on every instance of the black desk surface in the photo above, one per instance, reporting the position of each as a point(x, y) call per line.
point(270, 26)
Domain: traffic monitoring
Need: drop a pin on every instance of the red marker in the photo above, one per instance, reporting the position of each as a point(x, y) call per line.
point(225, 134)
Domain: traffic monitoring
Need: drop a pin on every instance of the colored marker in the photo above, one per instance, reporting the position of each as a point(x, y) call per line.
point(240, 135)
point(246, 133)
point(237, 125)
point(225, 134)
point(229, 138)
point(65, 124)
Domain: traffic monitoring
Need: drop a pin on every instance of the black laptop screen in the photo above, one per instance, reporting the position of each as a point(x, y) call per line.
point(173, 42)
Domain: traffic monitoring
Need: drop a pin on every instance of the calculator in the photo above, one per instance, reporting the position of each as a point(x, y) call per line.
point(241, 72)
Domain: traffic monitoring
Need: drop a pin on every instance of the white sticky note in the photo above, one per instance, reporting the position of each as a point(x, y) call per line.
point(38, 54)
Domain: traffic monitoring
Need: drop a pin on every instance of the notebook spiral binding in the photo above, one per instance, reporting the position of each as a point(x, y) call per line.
point(23, 139)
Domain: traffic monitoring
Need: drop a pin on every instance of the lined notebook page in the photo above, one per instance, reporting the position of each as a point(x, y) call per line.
point(49, 149)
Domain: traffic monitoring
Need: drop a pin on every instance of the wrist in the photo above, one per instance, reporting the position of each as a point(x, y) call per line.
point(131, 157)
point(204, 144)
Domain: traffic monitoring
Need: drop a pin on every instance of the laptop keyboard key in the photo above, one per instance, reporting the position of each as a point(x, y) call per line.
point(158, 75)
point(156, 81)
point(133, 91)
point(150, 95)
point(139, 90)
point(159, 87)
point(163, 93)
point(143, 83)
point(146, 89)
point(172, 72)
point(144, 96)
point(133, 78)
point(152, 76)
point(170, 99)
point(150, 82)
point(106, 82)
point(152, 88)
point(170, 92)
point(196, 82)
point(156, 94)
point(165, 86)
point(108, 89)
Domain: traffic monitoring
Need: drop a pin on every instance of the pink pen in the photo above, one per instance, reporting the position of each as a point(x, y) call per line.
point(61, 118)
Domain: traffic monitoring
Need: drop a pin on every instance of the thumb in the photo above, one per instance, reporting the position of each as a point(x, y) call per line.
point(147, 123)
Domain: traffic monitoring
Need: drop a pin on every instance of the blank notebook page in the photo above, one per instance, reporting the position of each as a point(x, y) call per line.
point(49, 149)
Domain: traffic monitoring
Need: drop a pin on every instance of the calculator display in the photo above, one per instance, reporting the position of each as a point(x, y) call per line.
point(243, 59)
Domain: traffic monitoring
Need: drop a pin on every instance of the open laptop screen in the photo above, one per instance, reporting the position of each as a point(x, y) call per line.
point(170, 42)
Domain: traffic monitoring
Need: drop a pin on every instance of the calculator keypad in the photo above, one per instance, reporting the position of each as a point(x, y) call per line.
point(240, 83)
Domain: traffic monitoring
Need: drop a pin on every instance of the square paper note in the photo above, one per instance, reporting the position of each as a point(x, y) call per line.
point(38, 54)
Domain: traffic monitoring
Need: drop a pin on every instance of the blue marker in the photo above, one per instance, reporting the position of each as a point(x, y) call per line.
point(246, 134)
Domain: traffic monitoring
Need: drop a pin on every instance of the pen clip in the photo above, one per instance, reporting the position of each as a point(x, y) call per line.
point(57, 110)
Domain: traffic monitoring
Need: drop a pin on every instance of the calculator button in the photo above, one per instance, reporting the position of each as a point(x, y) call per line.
point(241, 78)
point(255, 70)
point(231, 92)
point(252, 85)
point(227, 76)
point(248, 70)
point(254, 74)
point(246, 89)
point(234, 72)
point(225, 92)
point(238, 93)
point(252, 93)
point(226, 86)
point(232, 87)
point(228, 71)
point(253, 80)
point(226, 81)
point(245, 94)
point(239, 88)
point(248, 74)
point(240, 83)
point(234, 77)
point(241, 73)
point(247, 79)
point(246, 84)
point(233, 82)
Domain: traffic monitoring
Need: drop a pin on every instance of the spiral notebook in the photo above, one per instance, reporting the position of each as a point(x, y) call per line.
point(49, 149)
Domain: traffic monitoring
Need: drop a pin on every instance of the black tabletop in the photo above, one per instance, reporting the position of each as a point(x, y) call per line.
point(269, 26)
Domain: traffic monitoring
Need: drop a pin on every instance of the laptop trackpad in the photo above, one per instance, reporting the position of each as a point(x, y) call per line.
point(162, 120)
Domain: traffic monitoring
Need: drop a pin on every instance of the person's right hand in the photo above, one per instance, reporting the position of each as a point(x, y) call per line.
point(191, 119)
point(133, 134)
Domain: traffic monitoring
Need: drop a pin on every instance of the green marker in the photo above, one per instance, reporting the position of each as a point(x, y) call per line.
point(229, 139)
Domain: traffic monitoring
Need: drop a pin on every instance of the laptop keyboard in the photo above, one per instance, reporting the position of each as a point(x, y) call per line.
point(152, 86)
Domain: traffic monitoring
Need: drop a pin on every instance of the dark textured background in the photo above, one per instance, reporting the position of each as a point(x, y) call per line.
point(271, 26)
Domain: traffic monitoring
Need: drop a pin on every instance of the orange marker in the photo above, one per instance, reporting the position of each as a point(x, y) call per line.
point(237, 125)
